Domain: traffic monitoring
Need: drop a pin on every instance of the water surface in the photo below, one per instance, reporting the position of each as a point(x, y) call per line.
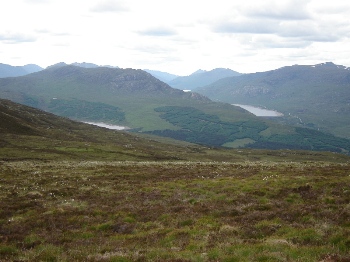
point(258, 111)
point(114, 127)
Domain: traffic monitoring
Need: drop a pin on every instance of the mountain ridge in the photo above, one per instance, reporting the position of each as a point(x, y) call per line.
point(315, 96)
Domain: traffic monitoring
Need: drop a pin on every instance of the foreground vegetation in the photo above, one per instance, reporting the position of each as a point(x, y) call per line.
point(174, 211)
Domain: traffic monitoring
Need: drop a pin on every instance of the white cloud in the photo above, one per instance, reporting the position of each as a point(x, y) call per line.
point(158, 31)
point(16, 38)
point(110, 6)
point(280, 10)
point(176, 36)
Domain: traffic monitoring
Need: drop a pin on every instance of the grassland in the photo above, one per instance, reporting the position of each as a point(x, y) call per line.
point(174, 211)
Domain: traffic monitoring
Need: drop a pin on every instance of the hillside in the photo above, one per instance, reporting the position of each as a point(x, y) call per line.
point(135, 99)
point(32, 134)
point(29, 133)
point(13, 71)
point(201, 78)
point(316, 96)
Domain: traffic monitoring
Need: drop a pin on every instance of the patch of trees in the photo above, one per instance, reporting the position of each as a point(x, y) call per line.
point(199, 127)
point(84, 110)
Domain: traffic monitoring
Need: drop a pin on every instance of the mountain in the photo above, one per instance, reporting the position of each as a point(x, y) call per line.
point(315, 96)
point(162, 76)
point(201, 78)
point(136, 99)
point(13, 71)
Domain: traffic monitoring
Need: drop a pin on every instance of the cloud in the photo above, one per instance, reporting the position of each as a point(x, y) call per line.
point(302, 30)
point(158, 31)
point(153, 49)
point(246, 26)
point(16, 38)
point(280, 10)
point(110, 6)
point(268, 41)
point(38, 1)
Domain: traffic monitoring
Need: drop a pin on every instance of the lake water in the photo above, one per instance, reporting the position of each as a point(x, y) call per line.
point(114, 127)
point(258, 111)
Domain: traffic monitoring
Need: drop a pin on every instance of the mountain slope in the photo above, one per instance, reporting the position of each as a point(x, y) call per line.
point(13, 71)
point(201, 78)
point(136, 99)
point(30, 134)
point(314, 96)
point(27, 133)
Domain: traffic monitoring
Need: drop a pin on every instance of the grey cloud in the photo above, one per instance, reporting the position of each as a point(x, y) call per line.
point(281, 43)
point(16, 38)
point(110, 6)
point(158, 31)
point(305, 30)
point(246, 26)
point(280, 10)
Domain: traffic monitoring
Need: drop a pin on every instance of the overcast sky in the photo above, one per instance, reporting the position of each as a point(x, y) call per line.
point(176, 36)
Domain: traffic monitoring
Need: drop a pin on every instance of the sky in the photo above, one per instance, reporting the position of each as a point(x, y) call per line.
point(176, 36)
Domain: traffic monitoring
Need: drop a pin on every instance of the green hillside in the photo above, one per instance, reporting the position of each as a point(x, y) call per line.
point(135, 99)
point(316, 96)
point(30, 134)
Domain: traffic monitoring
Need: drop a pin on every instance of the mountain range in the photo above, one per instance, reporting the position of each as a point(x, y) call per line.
point(201, 78)
point(136, 99)
point(314, 96)
point(13, 71)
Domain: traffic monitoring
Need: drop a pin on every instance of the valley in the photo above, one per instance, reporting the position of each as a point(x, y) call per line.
point(136, 99)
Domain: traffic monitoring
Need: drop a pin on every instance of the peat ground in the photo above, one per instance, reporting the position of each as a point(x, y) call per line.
point(174, 211)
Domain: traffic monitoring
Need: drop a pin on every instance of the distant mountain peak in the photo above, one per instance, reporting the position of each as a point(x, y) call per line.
point(328, 64)
point(199, 71)
point(57, 65)
point(201, 78)
point(13, 71)
point(83, 65)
